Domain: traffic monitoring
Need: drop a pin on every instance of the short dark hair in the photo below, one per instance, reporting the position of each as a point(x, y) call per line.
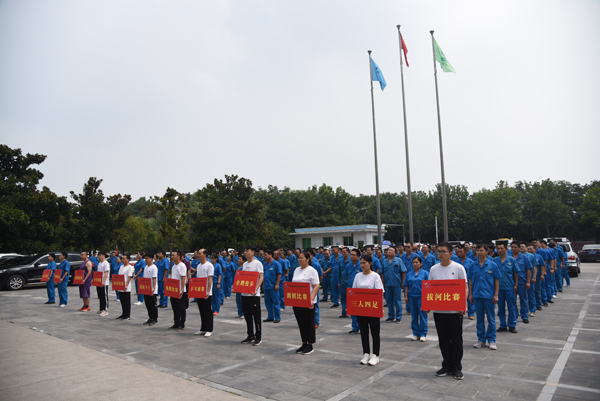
point(503, 243)
point(126, 255)
point(418, 258)
point(53, 255)
point(480, 245)
point(269, 252)
point(102, 253)
point(181, 254)
point(250, 248)
point(357, 251)
point(490, 247)
point(66, 255)
point(522, 243)
point(446, 245)
point(149, 255)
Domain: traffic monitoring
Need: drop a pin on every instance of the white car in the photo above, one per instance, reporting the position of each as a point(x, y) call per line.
point(573, 262)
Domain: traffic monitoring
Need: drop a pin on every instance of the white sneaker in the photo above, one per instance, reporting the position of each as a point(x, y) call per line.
point(118, 300)
point(226, 297)
point(478, 344)
point(200, 333)
point(99, 312)
point(493, 346)
point(553, 296)
point(423, 339)
point(532, 315)
point(414, 338)
point(374, 360)
point(63, 305)
point(365, 359)
point(104, 313)
point(208, 334)
point(138, 303)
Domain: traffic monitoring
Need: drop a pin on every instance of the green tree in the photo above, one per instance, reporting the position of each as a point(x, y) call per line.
point(138, 235)
point(173, 209)
point(495, 213)
point(543, 209)
point(590, 210)
point(29, 218)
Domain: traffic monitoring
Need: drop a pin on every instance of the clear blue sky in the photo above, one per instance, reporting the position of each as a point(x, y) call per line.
point(150, 94)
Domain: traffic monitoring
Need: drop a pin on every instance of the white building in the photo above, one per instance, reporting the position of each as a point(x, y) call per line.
point(364, 234)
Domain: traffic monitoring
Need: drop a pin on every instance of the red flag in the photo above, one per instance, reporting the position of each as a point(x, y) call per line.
point(405, 49)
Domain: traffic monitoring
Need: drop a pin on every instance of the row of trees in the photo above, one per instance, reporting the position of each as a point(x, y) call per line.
point(231, 213)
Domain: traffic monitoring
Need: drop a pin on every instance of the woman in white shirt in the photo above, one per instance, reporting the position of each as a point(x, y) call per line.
point(126, 270)
point(306, 316)
point(368, 279)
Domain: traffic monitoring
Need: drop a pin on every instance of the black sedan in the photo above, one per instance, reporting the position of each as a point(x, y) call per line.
point(17, 272)
point(590, 253)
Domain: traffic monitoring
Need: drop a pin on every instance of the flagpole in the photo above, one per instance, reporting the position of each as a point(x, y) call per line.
point(437, 99)
point(375, 147)
point(410, 215)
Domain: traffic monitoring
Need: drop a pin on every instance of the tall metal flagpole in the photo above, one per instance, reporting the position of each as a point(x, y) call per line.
point(437, 99)
point(375, 147)
point(410, 216)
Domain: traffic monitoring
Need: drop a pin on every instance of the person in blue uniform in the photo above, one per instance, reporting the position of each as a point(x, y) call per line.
point(469, 251)
point(272, 278)
point(527, 251)
point(317, 266)
point(217, 290)
point(551, 269)
point(50, 286)
point(285, 267)
point(335, 261)
point(293, 259)
point(228, 273)
point(407, 259)
point(564, 271)
point(352, 269)
point(524, 283)
point(428, 258)
point(541, 297)
point(484, 285)
point(327, 277)
point(65, 267)
point(163, 271)
point(344, 280)
point(94, 260)
point(508, 288)
point(393, 274)
point(413, 284)
point(560, 264)
point(461, 254)
point(139, 272)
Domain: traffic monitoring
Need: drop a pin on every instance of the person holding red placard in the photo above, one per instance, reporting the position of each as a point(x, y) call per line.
point(84, 289)
point(368, 279)
point(65, 267)
point(306, 316)
point(151, 272)
point(102, 291)
point(127, 271)
point(179, 272)
point(449, 323)
point(238, 296)
point(205, 269)
point(50, 283)
point(251, 302)
point(414, 284)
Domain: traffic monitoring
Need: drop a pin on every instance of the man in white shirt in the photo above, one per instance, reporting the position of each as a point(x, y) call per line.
point(151, 272)
point(102, 291)
point(449, 323)
point(251, 302)
point(179, 272)
point(127, 271)
point(205, 269)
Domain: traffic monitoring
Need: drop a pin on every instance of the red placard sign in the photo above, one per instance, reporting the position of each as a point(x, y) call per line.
point(446, 295)
point(172, 286)
point(245, 282)
point(197, 287)
point(297, 294)
point(144, 286)
point(364, 302)
point(46, 275)
point(118, 282)
point(57, 276)
point(97, 279)
point(78, 277)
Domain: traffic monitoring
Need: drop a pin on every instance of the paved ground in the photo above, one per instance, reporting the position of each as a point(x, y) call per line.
point(556, 356)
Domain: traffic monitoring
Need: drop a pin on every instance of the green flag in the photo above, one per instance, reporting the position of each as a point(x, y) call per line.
point(441, 58)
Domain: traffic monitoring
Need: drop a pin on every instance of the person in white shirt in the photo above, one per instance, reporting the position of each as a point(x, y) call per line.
point(251, 302)
point(179, 272)
point(448, 324)
point(306, 316)
point(205, 269)
point(127, 272)
point(102, 291)
point(368, 279)
point(151, 272)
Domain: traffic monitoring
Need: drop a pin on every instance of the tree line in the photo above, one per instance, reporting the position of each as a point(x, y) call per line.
point(231, 213)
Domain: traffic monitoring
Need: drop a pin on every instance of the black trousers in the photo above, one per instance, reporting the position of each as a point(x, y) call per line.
point(125, 298)
point(306, 323)
point(150, 301)
point(206, 314)
point(103, 297)
point(179, 308)
point(449, 330)
point(251, 309)
point(364, 323)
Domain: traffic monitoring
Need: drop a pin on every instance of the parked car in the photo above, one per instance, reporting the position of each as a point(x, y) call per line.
point(590, 253)
point(4, 257)
point(23, 270)
point(573, 264)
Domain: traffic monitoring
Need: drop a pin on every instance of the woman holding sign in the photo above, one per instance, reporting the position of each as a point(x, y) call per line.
point(126, 270)
point(413, 284)
point(84, 289)
point(368, 279)
point(306, 316)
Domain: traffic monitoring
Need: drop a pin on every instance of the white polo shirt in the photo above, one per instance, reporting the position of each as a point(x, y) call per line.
point(152, 272)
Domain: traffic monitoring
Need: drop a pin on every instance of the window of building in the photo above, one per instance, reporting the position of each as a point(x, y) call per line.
point(348, 241)
point(306, 243)
point(375, 240)
point(327, 241)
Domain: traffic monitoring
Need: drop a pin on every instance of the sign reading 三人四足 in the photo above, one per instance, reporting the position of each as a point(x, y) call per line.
point(364, 302)
point(78, 277)
point(172, 287)
point(97, 279)
point(46, 275)
point(57, 276)
point(197, 287)
point(297, 294)
point(444, 295)
point(118, 282)
point(144, 286)
point(245, 282)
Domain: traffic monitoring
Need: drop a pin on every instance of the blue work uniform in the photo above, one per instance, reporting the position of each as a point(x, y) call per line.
point(293, 265)
point(482, 286)
point(272, 298)
point(285, 265)
point(163, 270)
point(217, 293)
point(541, 297)
point(531, 292)
point(343, 283)
point(467, 265)
point(413, 282)
point(63, 294)
point(376, 264)
point(95, 262)
point(428, 262)
point(335, 274)
point(139, 267)
point(327, 279)
point(560, 260)
point(552, 282)
point(471, 255)
point(524, 265)
point(238, 295)
point(317, 266)
point(507, 298)
point(392, 280)
point(407, 260)
point(352, 271)
point(50, 286)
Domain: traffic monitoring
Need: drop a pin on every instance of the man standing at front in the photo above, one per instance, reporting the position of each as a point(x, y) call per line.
point(251, 301)
point(449, 323)
point(179, 272)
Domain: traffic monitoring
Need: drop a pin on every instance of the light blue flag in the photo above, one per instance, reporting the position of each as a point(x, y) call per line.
point(377, 74)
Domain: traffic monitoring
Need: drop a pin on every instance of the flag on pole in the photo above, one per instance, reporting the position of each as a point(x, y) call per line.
point(377, 74)
point(441, 58)
point(404, 49)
